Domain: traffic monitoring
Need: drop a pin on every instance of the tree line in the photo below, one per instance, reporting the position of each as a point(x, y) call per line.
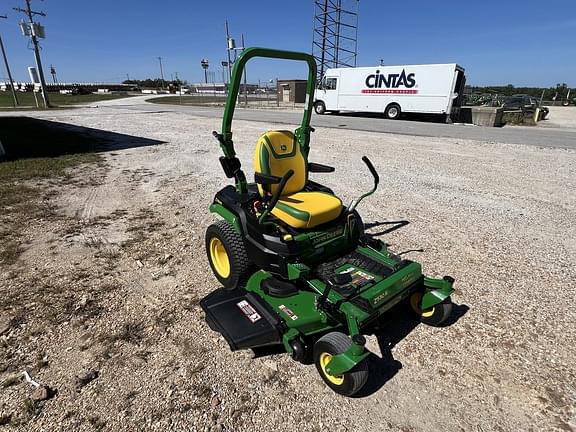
point(155, 83)
point(560, 92)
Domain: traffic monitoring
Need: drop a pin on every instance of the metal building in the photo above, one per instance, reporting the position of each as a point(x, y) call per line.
point(292, 91)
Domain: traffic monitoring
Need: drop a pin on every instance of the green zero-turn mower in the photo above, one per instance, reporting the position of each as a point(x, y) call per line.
point(296, 267)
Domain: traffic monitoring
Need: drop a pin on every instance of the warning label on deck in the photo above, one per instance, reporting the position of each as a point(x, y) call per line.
point(288, 312)
point(249, 311)
point(358, 276)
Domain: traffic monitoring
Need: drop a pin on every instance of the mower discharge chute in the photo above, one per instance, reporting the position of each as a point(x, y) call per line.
point(296, 267)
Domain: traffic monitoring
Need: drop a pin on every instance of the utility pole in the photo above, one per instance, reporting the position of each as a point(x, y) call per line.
point(34, 29)
point(161, 71)
point(245, 79)
point(229, 46)
point(14, 98)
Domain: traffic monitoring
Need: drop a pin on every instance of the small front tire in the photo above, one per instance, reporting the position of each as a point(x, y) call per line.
point(349, 383)
point(434, 316)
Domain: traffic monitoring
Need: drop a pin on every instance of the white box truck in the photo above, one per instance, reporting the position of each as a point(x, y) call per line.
point(392, 90)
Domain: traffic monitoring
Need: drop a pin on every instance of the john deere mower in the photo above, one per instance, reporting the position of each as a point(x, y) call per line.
point(297, 270)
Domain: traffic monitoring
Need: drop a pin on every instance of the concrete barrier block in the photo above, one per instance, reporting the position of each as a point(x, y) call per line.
point(481, 116)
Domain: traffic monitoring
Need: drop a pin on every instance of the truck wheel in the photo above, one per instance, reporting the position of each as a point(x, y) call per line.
point(393, 112)
point(349, 383)
point(320, 108)
point(227, 255)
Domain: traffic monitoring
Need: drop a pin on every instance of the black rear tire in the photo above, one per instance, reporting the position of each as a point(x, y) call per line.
point(223, 244)
point(393, 112)
point(320, 108)
point(350, 382)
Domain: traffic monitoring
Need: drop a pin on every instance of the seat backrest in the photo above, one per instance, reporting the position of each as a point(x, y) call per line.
point(276, 153)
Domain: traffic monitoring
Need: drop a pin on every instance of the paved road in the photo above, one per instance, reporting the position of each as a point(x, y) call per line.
point(543, 137)
point(535, 136)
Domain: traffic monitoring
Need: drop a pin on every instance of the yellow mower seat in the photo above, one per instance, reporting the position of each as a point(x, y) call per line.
point(307, 209)
point(276, 153)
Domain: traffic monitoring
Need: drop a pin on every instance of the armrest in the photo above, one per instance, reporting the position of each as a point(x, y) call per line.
point(319, 168)
point(266, 179)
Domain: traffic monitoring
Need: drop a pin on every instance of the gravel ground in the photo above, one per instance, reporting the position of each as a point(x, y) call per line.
point(112, 286)
point(561, 117)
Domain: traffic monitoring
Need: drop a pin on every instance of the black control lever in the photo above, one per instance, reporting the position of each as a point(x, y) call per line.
point(218, 136)
point(279, 190)
point(272, 203)
point(372, 169)
point(376, 181)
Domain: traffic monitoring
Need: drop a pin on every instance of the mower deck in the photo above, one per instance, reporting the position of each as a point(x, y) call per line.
point(259, 315)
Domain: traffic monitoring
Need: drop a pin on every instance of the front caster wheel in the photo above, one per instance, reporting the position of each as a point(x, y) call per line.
point(434, 316)
point(350, 382)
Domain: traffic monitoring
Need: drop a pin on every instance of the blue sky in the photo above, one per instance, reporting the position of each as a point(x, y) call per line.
point(523, 42)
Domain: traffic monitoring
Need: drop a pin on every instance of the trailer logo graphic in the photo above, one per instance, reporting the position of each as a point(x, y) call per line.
point(391, 82)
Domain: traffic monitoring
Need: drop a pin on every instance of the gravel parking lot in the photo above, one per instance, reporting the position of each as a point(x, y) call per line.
point(561, 117)
point(126, 254)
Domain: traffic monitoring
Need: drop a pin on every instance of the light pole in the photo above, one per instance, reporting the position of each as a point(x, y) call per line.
point(14, 98)
point(204, 63)
point(224, 67)
point(161, 71)
point(53, 73)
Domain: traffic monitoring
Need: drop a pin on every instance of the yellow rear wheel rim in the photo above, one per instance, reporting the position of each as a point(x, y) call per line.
point(219, 257)
point(415, 303)
point(334, 379)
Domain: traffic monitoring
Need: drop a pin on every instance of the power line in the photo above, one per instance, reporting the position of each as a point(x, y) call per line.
point(35, 31)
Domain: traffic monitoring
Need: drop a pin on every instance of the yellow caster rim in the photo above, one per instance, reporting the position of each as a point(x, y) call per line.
point(334, 379)
point(219, 257)
point(415, 300)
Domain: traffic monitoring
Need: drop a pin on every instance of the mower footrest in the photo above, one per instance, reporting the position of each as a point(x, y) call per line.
point(242, 318)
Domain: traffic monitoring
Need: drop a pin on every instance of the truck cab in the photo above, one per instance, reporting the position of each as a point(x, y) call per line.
point(327, 94)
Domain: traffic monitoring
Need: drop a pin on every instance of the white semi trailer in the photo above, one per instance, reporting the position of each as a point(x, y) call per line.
point(392, 90)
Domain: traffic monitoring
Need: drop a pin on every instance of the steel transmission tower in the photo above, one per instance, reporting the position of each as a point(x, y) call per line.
point(334, 42)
